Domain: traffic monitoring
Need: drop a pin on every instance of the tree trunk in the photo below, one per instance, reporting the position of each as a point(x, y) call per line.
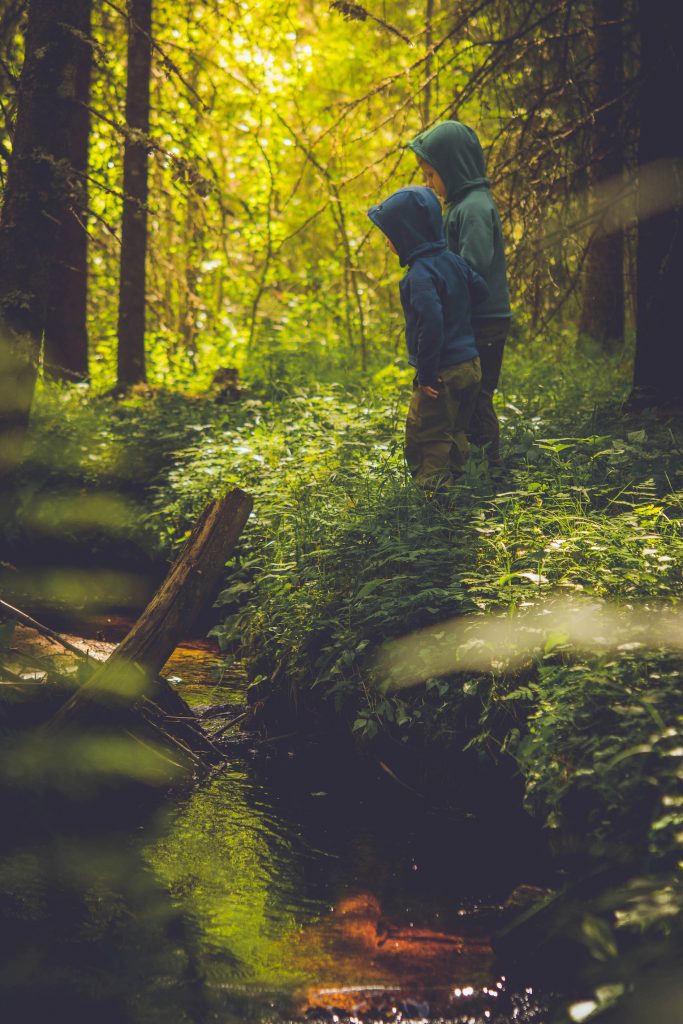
point(65, 349)
point(11, 12)
point(37, 181)
point(658, 369)
point(429, 38)
point(131, 326)
point(602, 314)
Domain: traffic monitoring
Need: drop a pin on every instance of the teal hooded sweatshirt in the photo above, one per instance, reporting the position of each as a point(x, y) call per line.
point(471, 221)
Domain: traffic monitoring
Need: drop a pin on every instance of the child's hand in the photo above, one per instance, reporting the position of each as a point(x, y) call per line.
point(429, 391)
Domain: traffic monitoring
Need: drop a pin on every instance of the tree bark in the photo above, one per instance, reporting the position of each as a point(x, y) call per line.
point(132, 284)
point(11, 13)
point(37, 181)
point(602, 313)
point(131, 673)
point(65, 348)
point(658, 368)
point(429, 37)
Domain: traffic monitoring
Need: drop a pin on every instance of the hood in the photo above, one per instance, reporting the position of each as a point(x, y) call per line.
point(411, 219)
point(455, 152)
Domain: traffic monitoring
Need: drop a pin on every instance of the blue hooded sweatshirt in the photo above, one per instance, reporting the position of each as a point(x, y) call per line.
point(439, 287)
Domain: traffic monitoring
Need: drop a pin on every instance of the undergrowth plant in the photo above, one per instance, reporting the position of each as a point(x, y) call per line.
point(343, 554)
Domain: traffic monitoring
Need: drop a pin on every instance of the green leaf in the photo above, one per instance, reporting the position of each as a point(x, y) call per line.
point(599, 937)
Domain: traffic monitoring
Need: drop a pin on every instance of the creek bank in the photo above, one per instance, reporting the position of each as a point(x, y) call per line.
point(338, 833)
point(463, 814)
point(452, 769)
point(617, 902)
point(551, 942)
point(374, 898)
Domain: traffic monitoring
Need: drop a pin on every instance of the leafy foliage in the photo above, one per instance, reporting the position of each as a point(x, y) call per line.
point(275, 125)
point(345, 553)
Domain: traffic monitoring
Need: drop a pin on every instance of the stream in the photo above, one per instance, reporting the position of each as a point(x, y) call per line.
point(291, 885)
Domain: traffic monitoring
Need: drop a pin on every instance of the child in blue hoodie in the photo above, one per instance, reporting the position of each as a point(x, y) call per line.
point(436, 294)
point(452, 162)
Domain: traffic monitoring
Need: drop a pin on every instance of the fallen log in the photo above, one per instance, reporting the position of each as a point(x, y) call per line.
point(129, 680)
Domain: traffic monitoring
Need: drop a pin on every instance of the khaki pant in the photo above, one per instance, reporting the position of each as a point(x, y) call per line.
point(436, 446)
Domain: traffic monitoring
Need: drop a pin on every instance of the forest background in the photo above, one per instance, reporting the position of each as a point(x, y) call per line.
point(191, 296)
point(272, 128)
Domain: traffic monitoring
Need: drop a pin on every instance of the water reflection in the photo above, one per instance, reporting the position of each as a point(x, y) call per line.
point(317, 890)
point(86, 930)
point(297, 884)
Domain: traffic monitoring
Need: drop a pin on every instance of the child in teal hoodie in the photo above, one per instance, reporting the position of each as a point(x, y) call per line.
point(452, 161)
point(436, 294)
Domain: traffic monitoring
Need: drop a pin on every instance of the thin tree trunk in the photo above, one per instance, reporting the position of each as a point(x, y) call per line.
point(11, 13)
point(131, 325)
point(427, 91)
point(65, 350)
point(37, 181)
point(602, 314)
point(658, 369)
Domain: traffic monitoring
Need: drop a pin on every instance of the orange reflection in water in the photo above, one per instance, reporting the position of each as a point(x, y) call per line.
point(196, 662)
point(361, 958)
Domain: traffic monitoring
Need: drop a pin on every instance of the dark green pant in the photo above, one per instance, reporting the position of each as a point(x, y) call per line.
point(484, 429)
point(436, 445)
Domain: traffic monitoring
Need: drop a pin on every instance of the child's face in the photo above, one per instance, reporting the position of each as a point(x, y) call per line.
point(432, 178)
point(390, 245)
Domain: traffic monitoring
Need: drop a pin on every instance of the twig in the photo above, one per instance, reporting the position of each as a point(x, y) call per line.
point(276, 739)
point(394, 776)
point(6, 674)
point(355, 12)
point(166, 61)
point(26, 620)
point(155, 750)
point(152, 712)
point(217, 711)
point(229, 725)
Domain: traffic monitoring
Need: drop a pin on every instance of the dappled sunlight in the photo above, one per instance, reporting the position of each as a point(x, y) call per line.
point(78, 767)
point(225, 857)
point(67, 512)
point(617, 203)
point(94, 590)
point(507, 640)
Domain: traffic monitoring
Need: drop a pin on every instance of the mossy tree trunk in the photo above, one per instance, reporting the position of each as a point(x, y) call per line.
point(65, 350)
point(132, 285)
point(658, 369)
point(602, 312)
point(11, 14)
point(38, 179)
